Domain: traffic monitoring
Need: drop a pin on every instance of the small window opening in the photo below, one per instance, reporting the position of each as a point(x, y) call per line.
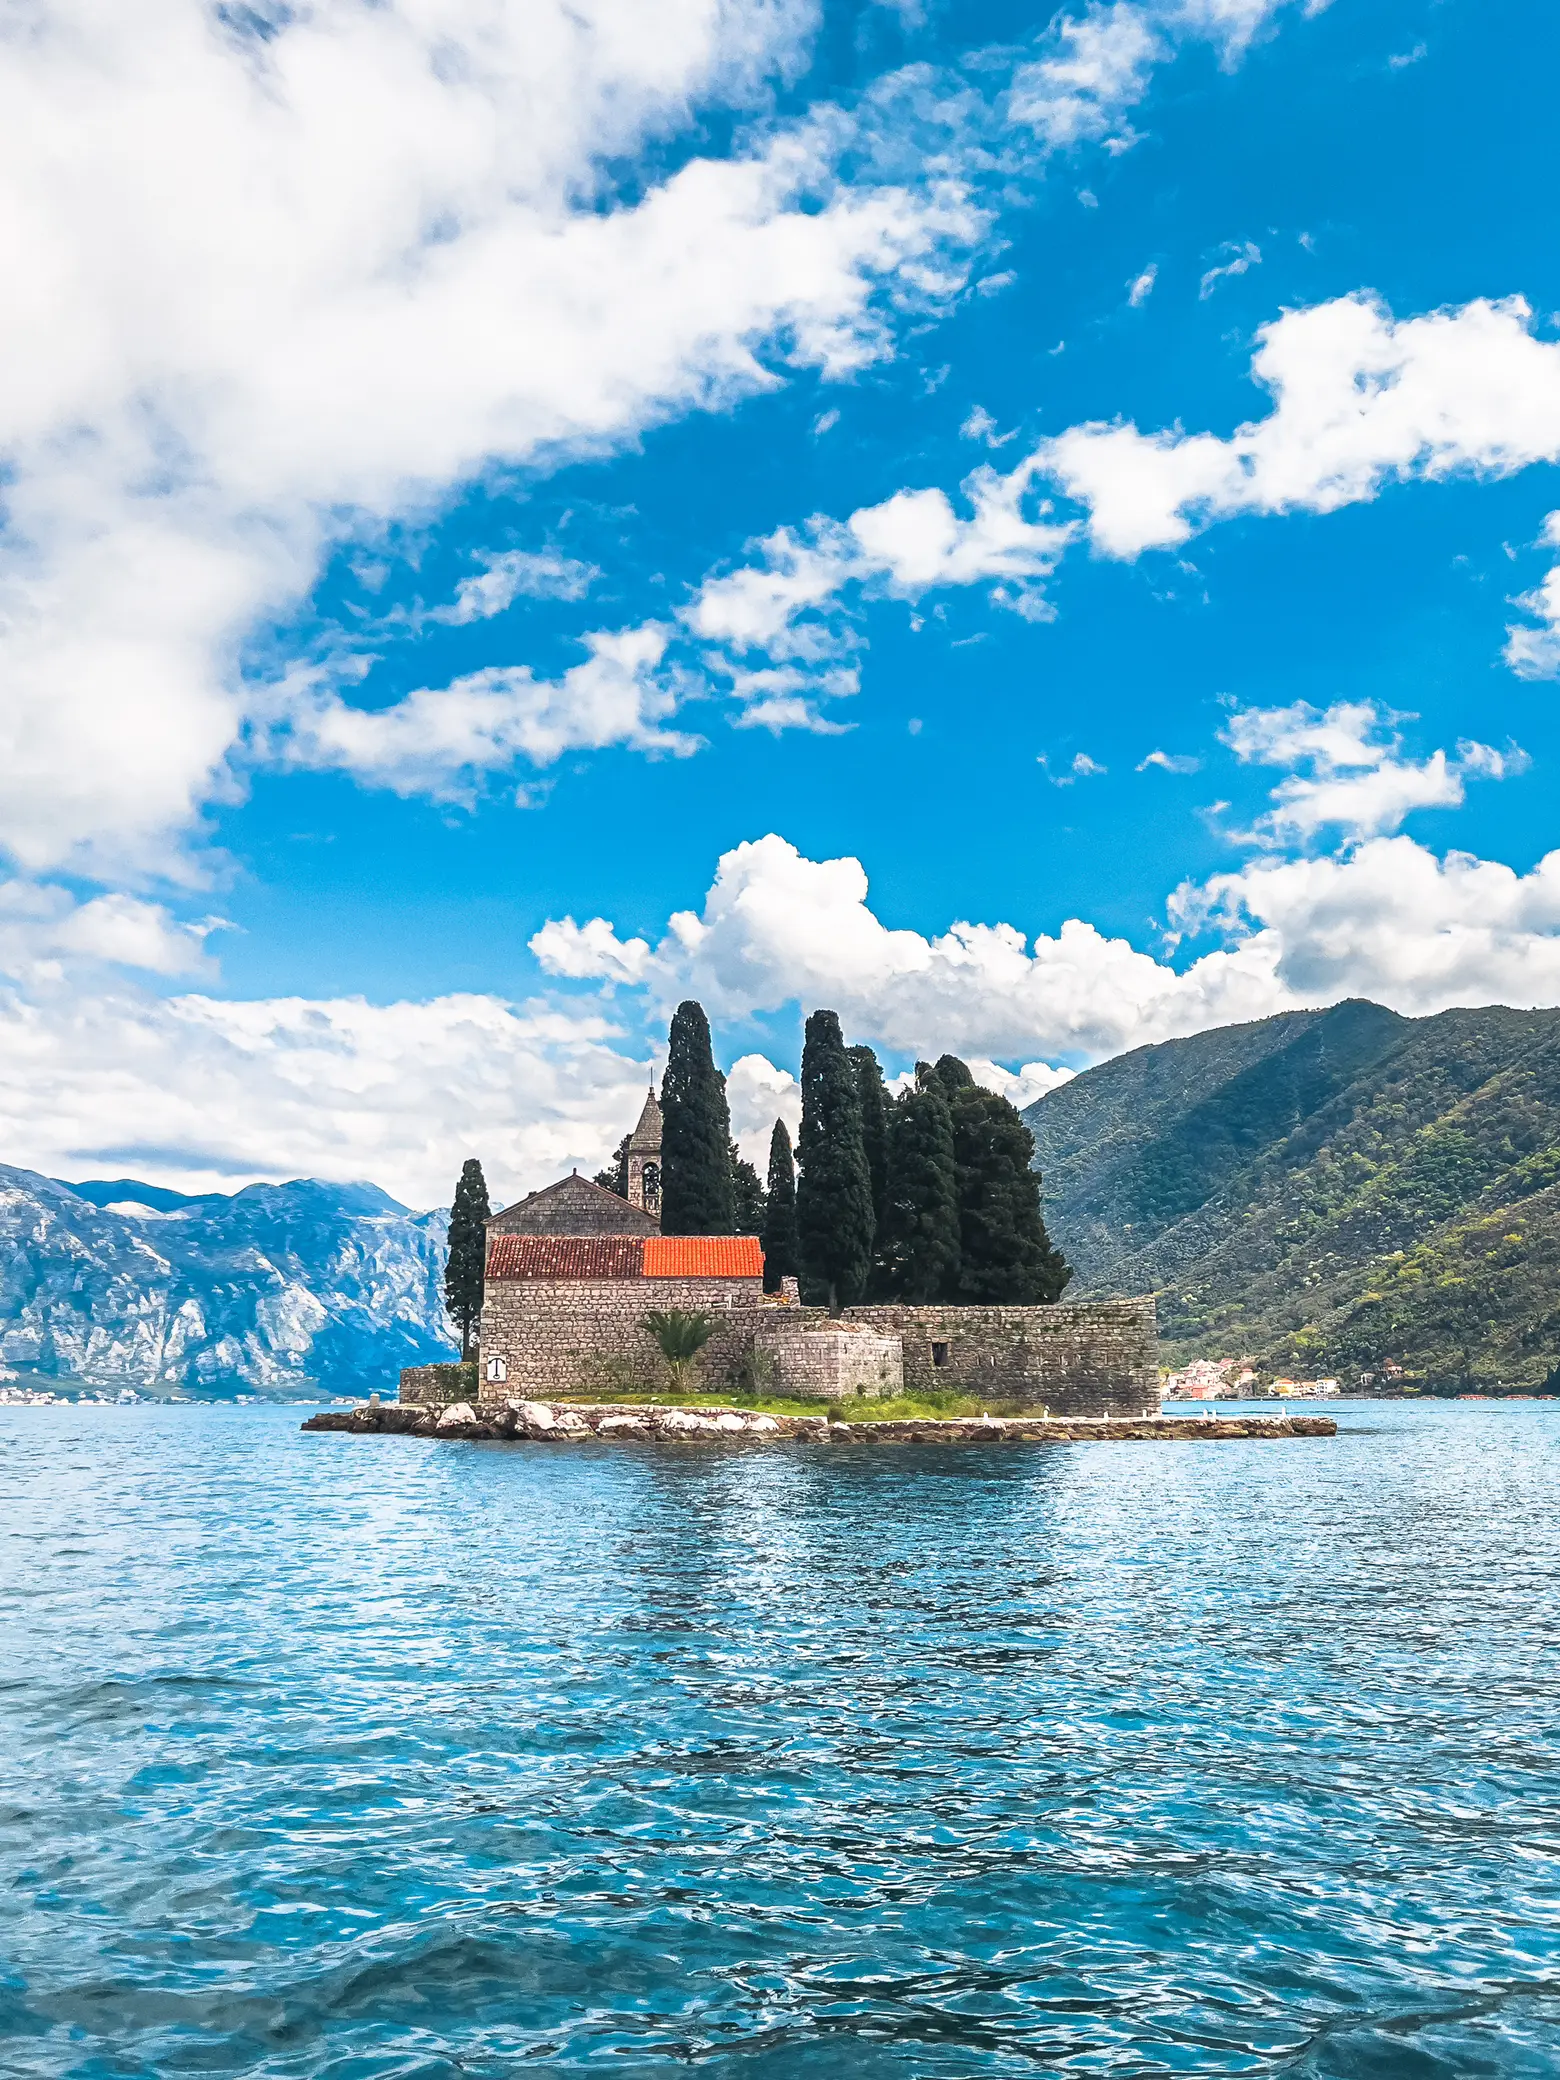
point(939, 1354)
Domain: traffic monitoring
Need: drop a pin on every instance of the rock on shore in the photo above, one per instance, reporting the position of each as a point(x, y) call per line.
point(560, 1422)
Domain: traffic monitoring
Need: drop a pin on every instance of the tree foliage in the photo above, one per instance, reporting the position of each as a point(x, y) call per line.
point(834, 1199)
point(779, 1232)
point(874, 1124)
point(467, 1260)
point(696, 1196)
point(918, 1251)
point(680, 1334)
point(747, 1195)
point(615, 1177)
point(1005, 1255)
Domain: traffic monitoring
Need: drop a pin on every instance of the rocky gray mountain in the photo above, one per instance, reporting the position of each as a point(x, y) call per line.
point(292, 1290)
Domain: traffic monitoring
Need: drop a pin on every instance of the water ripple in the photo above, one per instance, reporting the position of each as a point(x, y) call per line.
point(360, 1759)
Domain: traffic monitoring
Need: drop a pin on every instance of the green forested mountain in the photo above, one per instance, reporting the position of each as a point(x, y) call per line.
point(1330, 1191)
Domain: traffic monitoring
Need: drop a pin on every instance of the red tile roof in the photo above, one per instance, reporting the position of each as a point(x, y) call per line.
point(703, 1256)
point(565, 1256)
point(624, 1256)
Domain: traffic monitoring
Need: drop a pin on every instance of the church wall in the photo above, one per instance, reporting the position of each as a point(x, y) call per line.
point(562, 1336)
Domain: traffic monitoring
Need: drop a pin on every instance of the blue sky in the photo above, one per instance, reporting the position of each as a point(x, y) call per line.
point(431, 393)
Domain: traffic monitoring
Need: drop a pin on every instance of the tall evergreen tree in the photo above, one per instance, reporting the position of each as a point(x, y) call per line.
point(834, 1199)
point(780, 1259)
point(1005, 1254)
point(874, 1124)
point(919, 1249)
point(615, 1177)
point(695, 1132)
point(952, 1074)
point(747, 1195)
point(467, 1260)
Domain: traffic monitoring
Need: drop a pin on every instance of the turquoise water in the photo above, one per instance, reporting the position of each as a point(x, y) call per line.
point(369, 1757)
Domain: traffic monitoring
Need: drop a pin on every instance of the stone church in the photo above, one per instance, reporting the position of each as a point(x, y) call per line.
point(574, 1270)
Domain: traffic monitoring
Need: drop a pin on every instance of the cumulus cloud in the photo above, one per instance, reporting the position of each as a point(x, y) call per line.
point(790, 604)
point(1360, 399)
point(1389, 920)
point(518, 574)
point(1356, 780)
point(207, 382)
point(1534, 653)
point(1392, 922)
point(1141, 288)
point(42, 926)
point(207, 1095)
point(758, 1094)
point(439, 741)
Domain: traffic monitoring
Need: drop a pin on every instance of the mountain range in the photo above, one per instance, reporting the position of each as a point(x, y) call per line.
point(1344, 1192)
point(291, 1290)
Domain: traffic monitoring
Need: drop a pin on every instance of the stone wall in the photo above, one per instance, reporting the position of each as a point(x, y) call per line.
point(577, 1335)
point(437, 1386)
point(584, 1336)
point(1094, 1357)
point(807, 1357)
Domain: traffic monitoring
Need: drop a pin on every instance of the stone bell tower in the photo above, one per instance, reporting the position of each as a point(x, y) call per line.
point(644, 1160)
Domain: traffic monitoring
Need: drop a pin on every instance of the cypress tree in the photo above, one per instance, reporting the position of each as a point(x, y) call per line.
point(780, 1212)
point(919, 1250)
point(695, 1132)
point(874, 1124)
point(747, 1195)
point(1005, 1254)
point(467, 1259)
point(834, 1199)
point(952, 1074)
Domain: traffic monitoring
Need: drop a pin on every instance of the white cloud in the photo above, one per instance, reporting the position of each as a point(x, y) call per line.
point(205, 1095)
point(42, 926)
point(1357, 781)
point(1169, 762)
point(1241, 260)
point(518, 574)
point(1100, 69)
point(1534, 653)
point(1101, 61)
point(1020, 1087)
point(1388, 921)
point(592, 950)
point(399, 264)
point(1394, 923)
point(789, 606)
point(758, 1094)
point(1360, 399)
point(1142, 288)
point(439, 741)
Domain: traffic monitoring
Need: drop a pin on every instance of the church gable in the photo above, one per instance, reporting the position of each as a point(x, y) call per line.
point(574, 1206)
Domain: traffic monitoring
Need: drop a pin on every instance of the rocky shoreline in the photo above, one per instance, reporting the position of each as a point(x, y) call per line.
point(562, 1422)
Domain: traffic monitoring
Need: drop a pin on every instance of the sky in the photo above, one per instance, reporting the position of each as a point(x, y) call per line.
point(1038, 532)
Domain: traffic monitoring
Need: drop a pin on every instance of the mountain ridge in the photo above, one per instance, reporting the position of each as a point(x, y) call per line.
point(291, 1290)
point(1341, 1190)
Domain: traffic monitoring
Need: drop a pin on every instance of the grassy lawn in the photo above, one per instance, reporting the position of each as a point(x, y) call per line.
point(859, 1409)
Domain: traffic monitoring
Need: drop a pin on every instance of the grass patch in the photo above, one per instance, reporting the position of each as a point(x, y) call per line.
point(857, 1409)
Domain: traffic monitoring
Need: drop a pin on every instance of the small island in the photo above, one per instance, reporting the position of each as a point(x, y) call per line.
point(904, 1289)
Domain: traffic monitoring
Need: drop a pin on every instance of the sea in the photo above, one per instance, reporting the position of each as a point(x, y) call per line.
point(373, 1757)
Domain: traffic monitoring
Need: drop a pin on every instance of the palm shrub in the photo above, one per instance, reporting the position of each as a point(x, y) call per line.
point(680, 1335)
